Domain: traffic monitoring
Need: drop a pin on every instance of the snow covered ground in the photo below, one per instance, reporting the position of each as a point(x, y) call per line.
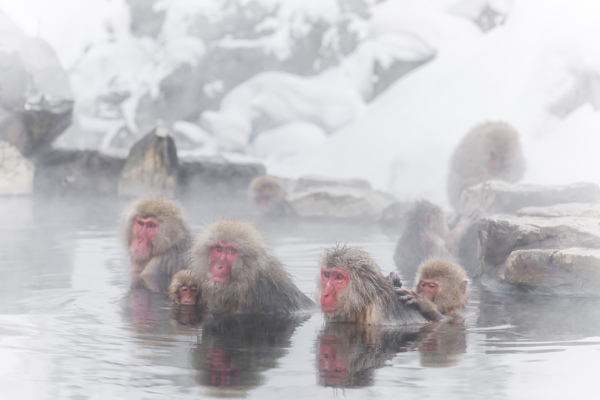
point(539, 71)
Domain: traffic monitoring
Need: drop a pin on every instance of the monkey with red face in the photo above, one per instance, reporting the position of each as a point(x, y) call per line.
point(353, 289)
point(441, 291)
point(239, 274)
point(156, 235)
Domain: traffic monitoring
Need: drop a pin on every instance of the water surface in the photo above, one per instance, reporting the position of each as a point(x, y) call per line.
point(73, 327)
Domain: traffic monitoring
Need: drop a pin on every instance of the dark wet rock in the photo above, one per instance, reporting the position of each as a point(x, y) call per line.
point(41, 120)
point(79, 172)
point(339, 202)
point(497, 197)
point(590, 210)
point(519, 251)
point(36, 103)
point(16, 172)
point(152, 167)
point(217, 178)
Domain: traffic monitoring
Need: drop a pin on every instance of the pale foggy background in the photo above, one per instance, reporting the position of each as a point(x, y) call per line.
point(381, 90)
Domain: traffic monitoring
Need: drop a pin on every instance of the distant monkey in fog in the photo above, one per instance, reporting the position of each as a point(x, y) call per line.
point(239, 273)
point(185, 288)
point(489, 151)
point(269, 196)
point(156, 235)
point(353, 289)
point(427, 234)
point(441, 290)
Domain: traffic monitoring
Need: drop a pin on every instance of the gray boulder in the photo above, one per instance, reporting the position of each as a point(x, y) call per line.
point(76, 172)
point(497, 197)
point(152, 167)
point(537, 252)
point(215, 178)
point(590, 210)
point(340, 202)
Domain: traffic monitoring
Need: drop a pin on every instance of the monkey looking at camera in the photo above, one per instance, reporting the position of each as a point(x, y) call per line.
point(156, 235)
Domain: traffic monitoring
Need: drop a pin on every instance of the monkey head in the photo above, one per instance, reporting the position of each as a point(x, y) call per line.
point(266, 190)
point(185, 288)
point(151, 226)
point(228, 252)
point(350, 283)
point(443, 282)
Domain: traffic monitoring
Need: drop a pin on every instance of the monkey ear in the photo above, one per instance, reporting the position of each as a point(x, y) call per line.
point(463, 285)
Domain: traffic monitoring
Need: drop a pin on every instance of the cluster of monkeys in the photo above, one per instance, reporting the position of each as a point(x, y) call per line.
point(229, 268)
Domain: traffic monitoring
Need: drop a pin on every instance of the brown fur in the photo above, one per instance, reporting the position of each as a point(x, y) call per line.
point(451, 298)
point(182, 278)
point(369, 297)
point(171, 242)
point(427, 235)
point(259, 283)
point(470, 163)
point(270, 188)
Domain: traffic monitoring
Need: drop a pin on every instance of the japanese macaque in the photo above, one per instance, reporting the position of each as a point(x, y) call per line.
point(353, 289)
point(489, 151)
point(269, 196)
point(441, 290)
point(157, 235)
point(428, 235)
point(185, 288)
point(239, 274)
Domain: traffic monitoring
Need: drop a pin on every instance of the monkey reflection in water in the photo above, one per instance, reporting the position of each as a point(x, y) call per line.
point(235, 350)
point(349, 354)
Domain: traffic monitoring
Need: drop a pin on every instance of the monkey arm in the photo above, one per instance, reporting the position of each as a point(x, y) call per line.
point(460, 229)
point(425, 306)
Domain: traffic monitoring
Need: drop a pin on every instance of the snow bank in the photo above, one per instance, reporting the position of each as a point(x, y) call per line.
point(515, 74)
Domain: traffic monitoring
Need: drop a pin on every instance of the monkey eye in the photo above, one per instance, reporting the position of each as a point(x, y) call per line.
point(184, 288)
point(141, 223)
point(150, 225)
point(326, 274)
point(194, 289)
point(339, 277)
point(218, 248)
point(232, 251)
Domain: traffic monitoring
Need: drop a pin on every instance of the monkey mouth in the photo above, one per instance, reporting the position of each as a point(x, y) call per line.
point(218, 279)
point(329, 309)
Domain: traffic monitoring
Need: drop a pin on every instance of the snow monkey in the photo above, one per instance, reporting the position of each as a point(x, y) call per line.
point(239, 274)
point(427, 234)
point(269, 196)
point(156, 235)
point(185, 288)
point(353, 289)
point(441, 290)
point(489, 151)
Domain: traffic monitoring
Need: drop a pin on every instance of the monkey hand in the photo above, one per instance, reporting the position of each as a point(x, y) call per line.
point(394, 278)
point(407, 296)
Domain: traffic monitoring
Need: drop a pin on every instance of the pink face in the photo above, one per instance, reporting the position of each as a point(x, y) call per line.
point(333, 369)
point(222, 256)
point(428, 288)
point(188, 294)
point(144, 230)
point(332, 281)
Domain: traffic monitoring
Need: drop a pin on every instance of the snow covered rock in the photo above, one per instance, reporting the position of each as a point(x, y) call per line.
point(496, 197)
